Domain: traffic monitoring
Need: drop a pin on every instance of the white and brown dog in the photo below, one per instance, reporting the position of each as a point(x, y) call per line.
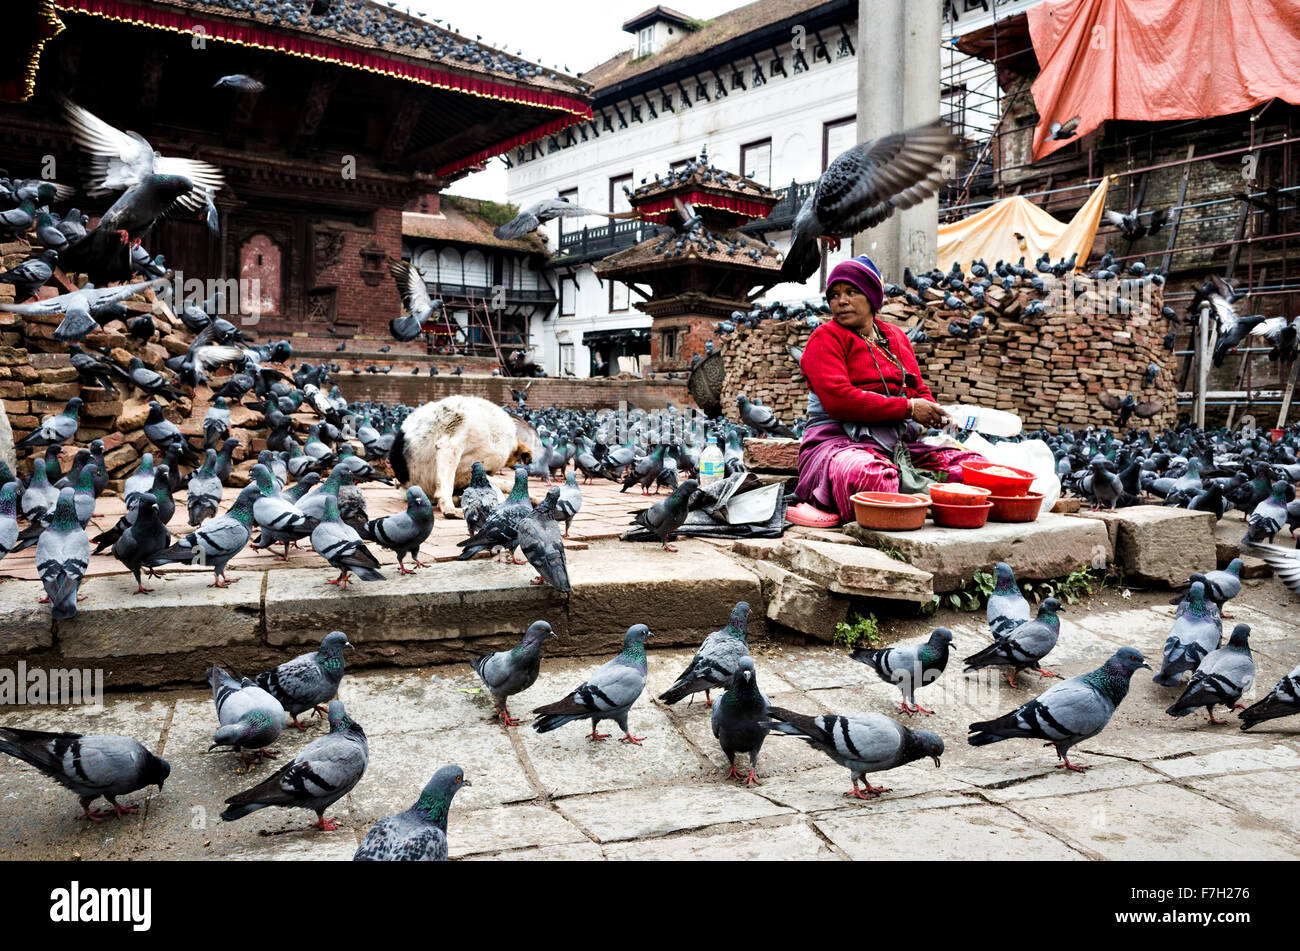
point(439, 442)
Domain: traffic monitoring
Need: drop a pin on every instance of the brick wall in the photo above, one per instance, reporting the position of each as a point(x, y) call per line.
point(1048, 369)
point(565, 393)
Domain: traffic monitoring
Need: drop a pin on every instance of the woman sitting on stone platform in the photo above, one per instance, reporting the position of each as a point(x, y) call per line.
point(867, 406)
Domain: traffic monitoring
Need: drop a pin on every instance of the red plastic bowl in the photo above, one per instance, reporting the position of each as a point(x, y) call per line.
point(1024, 508)
point(961, 516)
point(976, 473)
point(956, 493)
point(890, 511)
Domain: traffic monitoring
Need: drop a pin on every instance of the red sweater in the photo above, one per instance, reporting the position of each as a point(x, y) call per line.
point(839, 368)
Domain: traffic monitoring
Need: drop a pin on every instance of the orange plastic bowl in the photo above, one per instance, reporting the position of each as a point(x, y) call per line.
point(1003, 480)
point(1024, 508)
point(890, 511)
point(961, 516)
point(958, 494)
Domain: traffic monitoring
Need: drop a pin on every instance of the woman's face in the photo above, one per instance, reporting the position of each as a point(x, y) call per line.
point(849, 306)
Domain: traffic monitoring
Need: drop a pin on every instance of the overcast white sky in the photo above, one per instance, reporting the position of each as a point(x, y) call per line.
point(578, 35)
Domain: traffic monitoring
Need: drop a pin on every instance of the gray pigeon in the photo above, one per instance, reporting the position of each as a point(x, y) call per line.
point(420, 833)
point(251, 719)
point(404, 532)
point(339, 544)
point(1069, 712)
point(760, 419)
point(62, 557)
point(1221, 586)
point(279, 519)
point(54, 430)
point(203, 494)
point(143, 541)
point(910, 666)
point(1282, 701)
point(415, 298)
point(1025, 646)
point(861, 742)
point(717, 660)
point(539, 539)
point(1197, 631)
point(507, 673)
point(323, 773)
point(608, 694)
point(218, 539)
point(39, 498)
point(570, 502)
point(1268, 517)
point(500, 529)
point(309, 680)
point(664, 518)
point(140, 481)
point(91, 766)
point(479, 499)
point(78, 308)
point(1222, 677)
point(1007, 608)
point(740, 720)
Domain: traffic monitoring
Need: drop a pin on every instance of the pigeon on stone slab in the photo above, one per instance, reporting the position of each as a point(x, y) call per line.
point(91, 766)
point(1197, 630)
point(326, 770)
point(309, 680)
point(142, 542)
point(420, 833)
point(341, 545)
point(1282, 701)
point(715, 663)
point(665, 518)
point(740, 722)
point(761, 419)
point(1069, 712)
point(608, 694)
point(203, 494)
point(570, 501)
point(1024, 647)
point(540, 540)
point(507, 673)
point(1222, 677)
point(251, 719)
point(479, 499)
point(404, 532)
point(62, 557)
point(1221, 586)
point(500, 529)
point(1007, 607)
point(909, 667)
point(218, 539)
point(861, 742)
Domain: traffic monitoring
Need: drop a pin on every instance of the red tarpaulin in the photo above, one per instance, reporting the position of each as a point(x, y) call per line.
point(1154, 60)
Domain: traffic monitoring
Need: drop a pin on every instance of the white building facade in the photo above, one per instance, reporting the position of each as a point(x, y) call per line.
point(769, 90)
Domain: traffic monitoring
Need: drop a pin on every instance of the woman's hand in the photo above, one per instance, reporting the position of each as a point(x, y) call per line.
point(927, 413)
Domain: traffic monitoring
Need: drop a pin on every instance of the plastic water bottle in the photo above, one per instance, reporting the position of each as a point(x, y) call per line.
point(990, 422)
point(711, 465)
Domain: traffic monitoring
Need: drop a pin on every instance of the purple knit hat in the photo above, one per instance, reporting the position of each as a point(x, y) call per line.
point(863, 274)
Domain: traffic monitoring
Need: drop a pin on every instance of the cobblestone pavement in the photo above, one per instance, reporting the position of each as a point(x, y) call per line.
point(1159, 788)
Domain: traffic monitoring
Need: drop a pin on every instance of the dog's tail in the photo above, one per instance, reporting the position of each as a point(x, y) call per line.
point(397, 458)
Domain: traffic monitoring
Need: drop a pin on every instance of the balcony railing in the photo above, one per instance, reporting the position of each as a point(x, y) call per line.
point(604, 240)
point(514, 295)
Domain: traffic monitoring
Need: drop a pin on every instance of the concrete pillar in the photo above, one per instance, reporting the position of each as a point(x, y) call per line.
point(898, 87)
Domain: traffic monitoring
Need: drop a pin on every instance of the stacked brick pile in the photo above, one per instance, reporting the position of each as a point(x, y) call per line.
point(760, 366)
point(1048, 368)
point(37, 380)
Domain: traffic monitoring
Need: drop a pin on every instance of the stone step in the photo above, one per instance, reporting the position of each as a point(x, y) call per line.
point(1051, 547)
point(854, 570)
point(1155, 544)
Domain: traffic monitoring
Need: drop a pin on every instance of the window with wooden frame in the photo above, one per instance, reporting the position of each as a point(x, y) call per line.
point(756, 161)
point(618, 296)
point(668, 341)
point(568, 296)
point(617, 197)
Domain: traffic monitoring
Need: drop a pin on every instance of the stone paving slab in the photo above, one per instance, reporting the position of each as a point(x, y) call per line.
point(822, 788)
point(1269, 795)
point(1051, 547)
point(516, 827)
point(968, 832)
point(631, 814)
point(1157, 821)
point(1229, 761)
point(796, 842)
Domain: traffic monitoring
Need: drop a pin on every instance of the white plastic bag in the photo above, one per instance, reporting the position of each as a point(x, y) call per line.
point(1032, 455)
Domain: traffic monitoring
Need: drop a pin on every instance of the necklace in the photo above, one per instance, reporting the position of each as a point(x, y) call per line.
point(872, 347)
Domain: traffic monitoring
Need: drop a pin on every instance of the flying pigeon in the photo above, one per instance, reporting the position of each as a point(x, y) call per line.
point(91, 766)
point(420, 308)
point(1069, 712)
point(538, 213)
point(608, 694)
point(420, 833)
point(1282, 701)
point(507, 673)
point(323, 773)
point(910, 666)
